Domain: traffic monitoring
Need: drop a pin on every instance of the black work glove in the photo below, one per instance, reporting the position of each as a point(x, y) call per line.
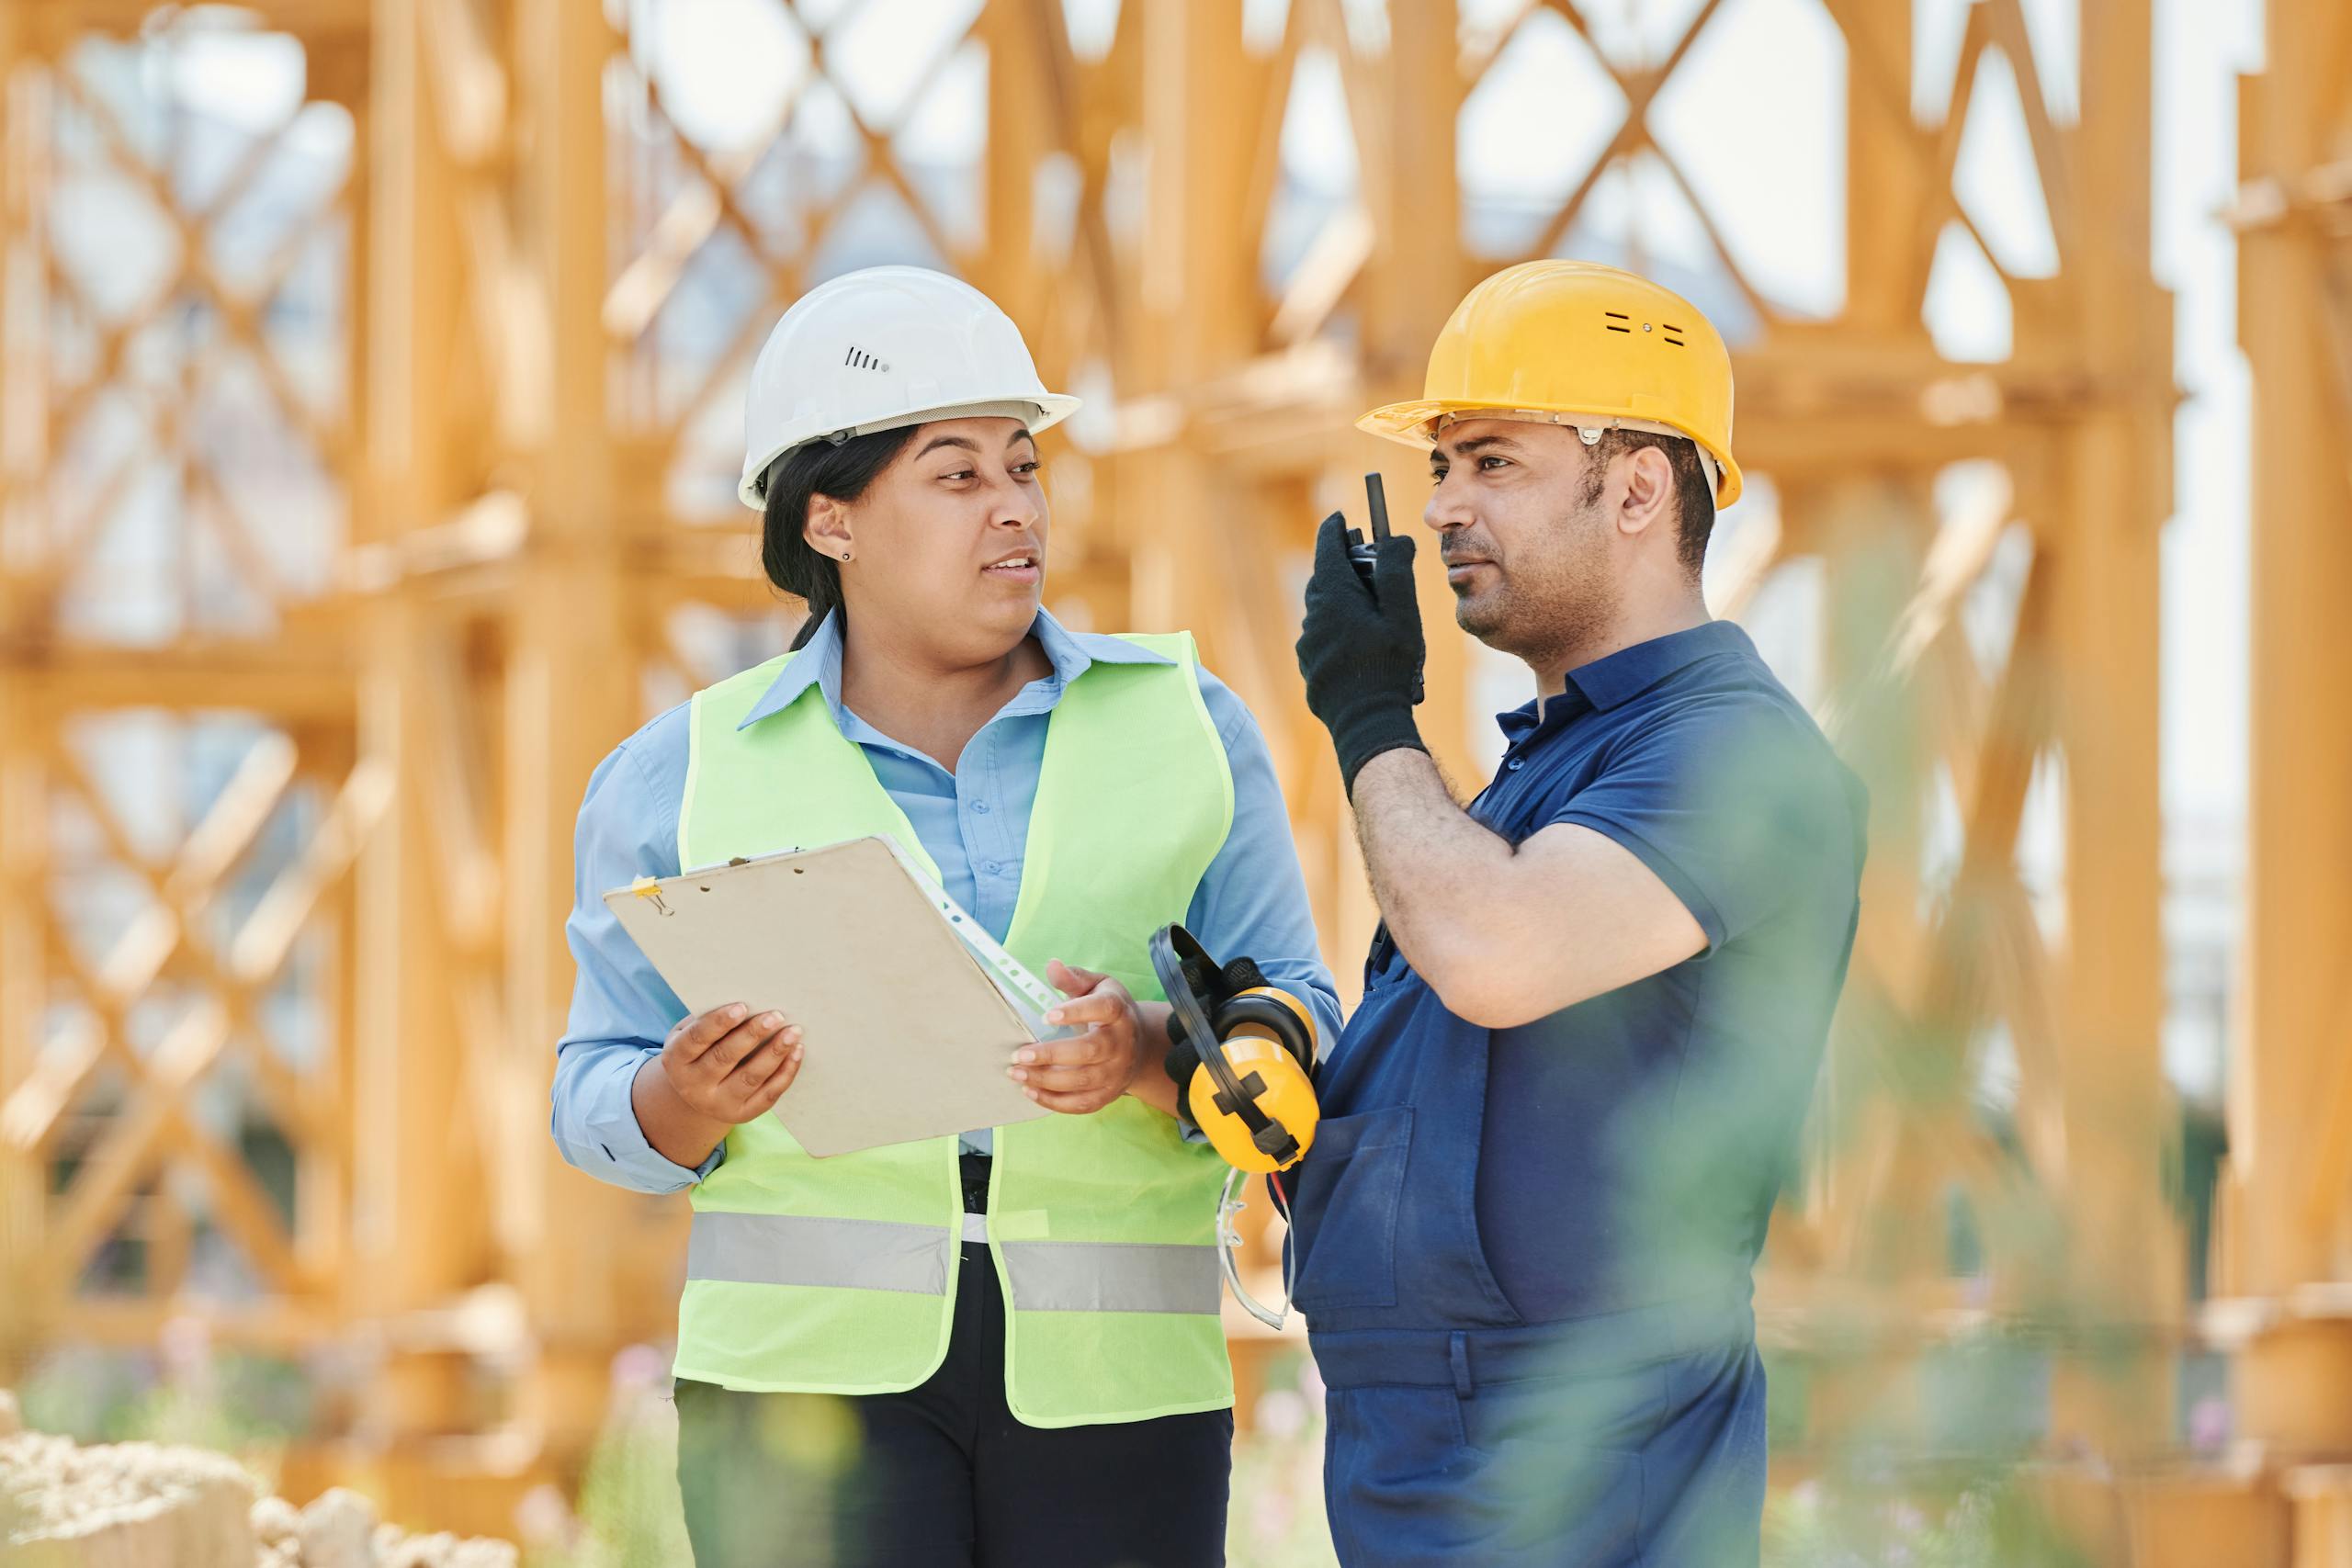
point(1360, 648)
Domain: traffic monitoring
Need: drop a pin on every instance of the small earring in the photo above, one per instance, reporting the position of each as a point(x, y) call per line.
point(845, 555)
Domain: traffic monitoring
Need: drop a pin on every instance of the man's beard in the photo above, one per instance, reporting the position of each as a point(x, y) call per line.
point(1540, 611)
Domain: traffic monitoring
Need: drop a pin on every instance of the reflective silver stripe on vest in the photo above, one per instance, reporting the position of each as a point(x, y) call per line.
point(1111, 1275)
point(796, 1249)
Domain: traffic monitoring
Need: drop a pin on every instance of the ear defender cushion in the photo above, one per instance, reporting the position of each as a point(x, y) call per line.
point(1267, 1013)
point(1276, 1014)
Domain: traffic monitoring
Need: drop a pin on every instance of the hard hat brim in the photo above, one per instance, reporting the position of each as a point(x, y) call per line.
point(1412, 424)
point(1049, 409)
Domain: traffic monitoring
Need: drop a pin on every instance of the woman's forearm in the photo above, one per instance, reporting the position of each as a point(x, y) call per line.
point(674, 1129)
point(1152, 1085)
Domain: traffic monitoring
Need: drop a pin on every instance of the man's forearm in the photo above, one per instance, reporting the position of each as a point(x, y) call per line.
point(1508, 933)
point(1434, 870)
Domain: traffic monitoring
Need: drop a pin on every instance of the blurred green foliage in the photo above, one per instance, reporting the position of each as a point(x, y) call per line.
point(1942, 1478)
point(1993, 1524)
point(244, 1405)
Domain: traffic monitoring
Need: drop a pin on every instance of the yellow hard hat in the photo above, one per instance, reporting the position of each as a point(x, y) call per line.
point(1578, 344)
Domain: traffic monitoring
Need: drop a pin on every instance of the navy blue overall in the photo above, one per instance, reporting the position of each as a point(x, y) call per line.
point(1525, 1254)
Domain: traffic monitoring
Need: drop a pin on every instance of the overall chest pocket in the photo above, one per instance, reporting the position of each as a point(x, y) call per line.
point(1344, 1215)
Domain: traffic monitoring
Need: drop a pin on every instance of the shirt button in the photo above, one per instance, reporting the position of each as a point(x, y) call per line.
point(981, 806)
point(1516, 763)
point(992, 868)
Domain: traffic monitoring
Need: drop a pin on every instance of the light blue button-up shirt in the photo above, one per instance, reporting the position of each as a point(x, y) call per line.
point(973, 822)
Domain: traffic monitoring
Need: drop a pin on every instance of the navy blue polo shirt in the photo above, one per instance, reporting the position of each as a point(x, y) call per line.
point(1632, 1144)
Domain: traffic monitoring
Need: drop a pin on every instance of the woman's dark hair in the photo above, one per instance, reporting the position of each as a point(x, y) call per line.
point(817, 467)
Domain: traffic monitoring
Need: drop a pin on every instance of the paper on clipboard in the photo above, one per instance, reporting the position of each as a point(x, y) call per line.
point(909, 1012)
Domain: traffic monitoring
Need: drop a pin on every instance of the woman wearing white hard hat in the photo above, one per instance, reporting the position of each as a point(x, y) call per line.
point(1003, 1348)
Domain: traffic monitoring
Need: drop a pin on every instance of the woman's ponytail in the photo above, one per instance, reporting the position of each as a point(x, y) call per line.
point(817, 468)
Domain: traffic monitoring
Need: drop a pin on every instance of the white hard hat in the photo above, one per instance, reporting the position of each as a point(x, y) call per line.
point(882, 347)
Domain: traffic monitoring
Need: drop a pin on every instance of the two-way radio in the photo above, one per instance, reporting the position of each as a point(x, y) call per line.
point(1363, 552)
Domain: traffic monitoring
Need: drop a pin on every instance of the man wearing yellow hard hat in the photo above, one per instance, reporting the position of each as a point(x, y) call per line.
point(1554, 1131)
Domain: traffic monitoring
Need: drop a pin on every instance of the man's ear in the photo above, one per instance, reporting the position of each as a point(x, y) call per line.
point(827, 529)
point(1649, 492)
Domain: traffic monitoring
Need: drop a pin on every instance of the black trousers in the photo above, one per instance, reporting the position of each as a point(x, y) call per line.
point(943, 1474)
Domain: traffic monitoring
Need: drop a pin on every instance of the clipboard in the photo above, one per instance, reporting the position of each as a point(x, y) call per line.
point(909, 1013)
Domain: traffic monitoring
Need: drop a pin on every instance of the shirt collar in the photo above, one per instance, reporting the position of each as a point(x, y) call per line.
point(819, 663)
point(1618, 677)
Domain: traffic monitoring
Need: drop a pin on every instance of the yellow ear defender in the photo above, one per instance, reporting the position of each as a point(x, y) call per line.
point(1242, 1050)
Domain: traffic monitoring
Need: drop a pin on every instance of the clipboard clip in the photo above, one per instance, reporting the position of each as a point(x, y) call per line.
point(645, 887)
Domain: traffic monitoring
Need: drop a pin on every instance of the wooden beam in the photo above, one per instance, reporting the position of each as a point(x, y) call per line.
point(24, 969)
point(568, 696)
point(322, 19)
point(289, 683)
point(2293, 1377)
point(2298, 914)
point(417, 1229)
point(2098, 525)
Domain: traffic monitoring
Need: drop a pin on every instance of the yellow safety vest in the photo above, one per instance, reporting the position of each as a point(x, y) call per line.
point(839, 1275)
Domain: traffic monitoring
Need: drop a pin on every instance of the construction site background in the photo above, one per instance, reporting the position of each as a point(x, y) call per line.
point(370, 379)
